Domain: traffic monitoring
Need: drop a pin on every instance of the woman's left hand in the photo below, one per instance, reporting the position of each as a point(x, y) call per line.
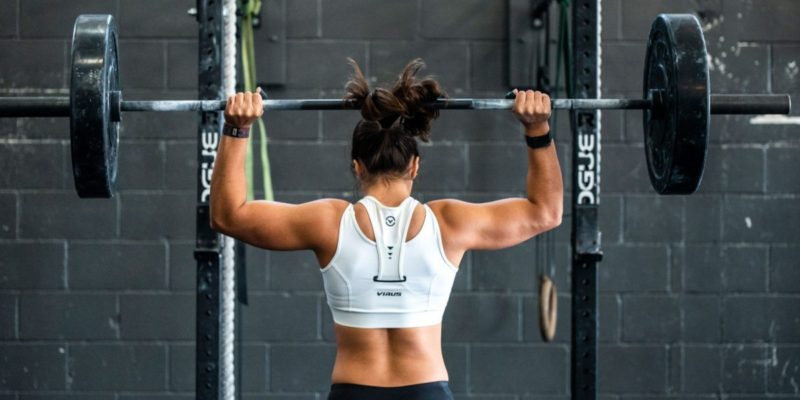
point(244, 108)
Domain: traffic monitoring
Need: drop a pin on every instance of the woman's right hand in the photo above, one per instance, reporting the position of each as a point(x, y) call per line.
point(533, 110)
point(243, 109)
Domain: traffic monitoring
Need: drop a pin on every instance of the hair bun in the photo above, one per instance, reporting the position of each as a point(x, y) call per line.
point(414, 93)
point(376, 105)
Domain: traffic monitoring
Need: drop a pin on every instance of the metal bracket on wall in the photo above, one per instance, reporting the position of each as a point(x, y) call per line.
point(525, 23)
point(270, 44)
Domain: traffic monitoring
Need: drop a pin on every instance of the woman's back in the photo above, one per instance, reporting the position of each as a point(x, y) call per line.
point(394, 337)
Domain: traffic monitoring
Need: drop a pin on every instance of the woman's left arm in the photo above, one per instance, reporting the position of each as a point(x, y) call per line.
point(266, 224)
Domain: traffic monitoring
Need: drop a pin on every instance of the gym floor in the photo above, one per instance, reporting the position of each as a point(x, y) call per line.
point(700, 295)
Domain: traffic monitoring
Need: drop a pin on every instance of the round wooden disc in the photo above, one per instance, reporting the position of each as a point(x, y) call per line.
point(94, 136)
point(676, 79)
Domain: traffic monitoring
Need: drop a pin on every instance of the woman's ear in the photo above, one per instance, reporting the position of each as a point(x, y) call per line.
point(356, 169)
point(414, 167)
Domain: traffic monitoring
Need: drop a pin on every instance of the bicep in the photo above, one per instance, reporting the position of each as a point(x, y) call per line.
point(283, 226)
point(494, 225)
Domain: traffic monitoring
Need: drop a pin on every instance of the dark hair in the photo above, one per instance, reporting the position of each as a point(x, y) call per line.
point(385, 140)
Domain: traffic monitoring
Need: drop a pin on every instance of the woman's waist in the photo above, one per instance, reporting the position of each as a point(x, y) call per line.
point(388, 368)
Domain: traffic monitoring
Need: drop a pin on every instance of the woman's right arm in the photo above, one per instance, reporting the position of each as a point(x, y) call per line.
point(507, 222)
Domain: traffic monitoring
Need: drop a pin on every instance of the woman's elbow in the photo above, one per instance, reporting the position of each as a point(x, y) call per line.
point(220, 222)
point(551, 217)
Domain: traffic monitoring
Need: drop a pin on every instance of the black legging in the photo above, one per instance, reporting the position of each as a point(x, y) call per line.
point(423, 391)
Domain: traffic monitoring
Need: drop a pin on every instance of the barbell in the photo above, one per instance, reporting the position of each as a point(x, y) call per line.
point(676, 104)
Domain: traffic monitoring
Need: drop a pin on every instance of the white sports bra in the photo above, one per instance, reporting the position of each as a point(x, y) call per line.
point(389, 282)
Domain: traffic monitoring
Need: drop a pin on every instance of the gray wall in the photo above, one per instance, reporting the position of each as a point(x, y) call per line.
point(700, 294)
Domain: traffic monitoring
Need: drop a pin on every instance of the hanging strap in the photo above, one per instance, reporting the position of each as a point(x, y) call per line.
point(390, 227)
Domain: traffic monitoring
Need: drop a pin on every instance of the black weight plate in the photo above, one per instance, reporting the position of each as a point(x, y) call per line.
point(94, 136)
point(676, 133)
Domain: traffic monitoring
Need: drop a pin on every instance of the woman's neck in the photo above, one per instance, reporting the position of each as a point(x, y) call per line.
point(390, 193)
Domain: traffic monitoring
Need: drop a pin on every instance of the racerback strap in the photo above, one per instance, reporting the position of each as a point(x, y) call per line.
point(390, 227)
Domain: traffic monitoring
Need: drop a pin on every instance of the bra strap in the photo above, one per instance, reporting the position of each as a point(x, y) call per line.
point(390, 227)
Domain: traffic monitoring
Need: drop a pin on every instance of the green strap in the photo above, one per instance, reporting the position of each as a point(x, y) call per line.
point(252, 8)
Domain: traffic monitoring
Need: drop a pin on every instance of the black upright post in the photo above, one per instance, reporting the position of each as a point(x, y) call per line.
point(207, 244)
point(586, 253)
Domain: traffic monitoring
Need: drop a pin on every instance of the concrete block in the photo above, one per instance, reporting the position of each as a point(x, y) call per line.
point(141, 166)
point(149, 71)
point(624, 170)
point(743, 369)
point(31, 367)
point(489, 66)
point(632, 369)
point(754, 22)
point(785, 69)
point(472, 19)
point(346, 19)
point(701, 318)
point(303, 19)
point(331, 167)
point(702, 369)
point(38, 64)
point(779, 179)
point(32, 266)
point(8, 218)
point(447, 62)
point(126, 367)
point(180, 166)
point(305, 60)
point(784, 269)
point(703, 218)
point(442, 167)
point(289, 370)
point(32, 166)
point(181, 65)
point(634, 268)
point(8, 316)
point(62, 215)
point(760, 318)
point(653, 218)
point(55, 19)
point(68, 316)
point(496, 167)
point(508, 368)
point(499, 318)
point(784, 369)
point(758, 219)
point(169, 20)
point(651, 319)
point(455, 358)
point(9, 26)
point(157, 316)
point(294, 270)
point(280, 317)
point(151, 216)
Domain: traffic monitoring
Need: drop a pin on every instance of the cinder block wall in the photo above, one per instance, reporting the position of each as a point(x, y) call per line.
point(699, 295)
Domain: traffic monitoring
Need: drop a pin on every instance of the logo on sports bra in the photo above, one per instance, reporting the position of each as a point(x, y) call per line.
point(390, 221)
point(390, 294)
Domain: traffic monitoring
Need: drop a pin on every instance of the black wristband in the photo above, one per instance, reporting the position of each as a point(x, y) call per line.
point(234, 131)
point(536, 142)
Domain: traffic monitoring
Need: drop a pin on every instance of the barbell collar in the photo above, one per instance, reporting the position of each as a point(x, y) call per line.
point(34, 107)
point(751, 104)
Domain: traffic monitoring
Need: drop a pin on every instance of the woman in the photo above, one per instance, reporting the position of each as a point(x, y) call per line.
point(388, 262)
